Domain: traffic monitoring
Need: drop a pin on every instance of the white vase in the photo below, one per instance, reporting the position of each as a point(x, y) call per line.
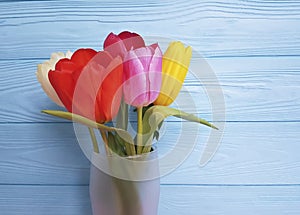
point(119, 187)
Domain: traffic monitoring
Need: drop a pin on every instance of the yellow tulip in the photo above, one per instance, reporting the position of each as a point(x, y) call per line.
point(175, 64)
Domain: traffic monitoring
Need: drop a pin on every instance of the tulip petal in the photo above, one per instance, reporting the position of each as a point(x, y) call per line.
point(65, 65)
point(120, 44)
point(132, 40)
point(180, 70)
point(111, 39)
point(111, 88)
point(175, 65)
point(134, 87)
point(103, 58)
point(78, 83)
point(82, 56)
point(144, 55)
point(142, 68)
point(63, 78)
point(86, 100)
point(114, 45)
point(86, 97)
point(56, 56)
point(42, 75)
point(154, 74)
point(64, 86)
point(91, 99)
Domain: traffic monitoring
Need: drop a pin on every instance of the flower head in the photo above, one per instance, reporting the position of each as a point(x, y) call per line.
point(123, 42)
point(42, 74)
point(89, 84)
point(142, 71)
point(175, 64)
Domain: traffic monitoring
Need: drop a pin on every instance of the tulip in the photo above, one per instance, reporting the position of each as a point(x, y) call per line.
point(142, 75)
point(42, 75)
point(123, 42)
point(89, 84)
point(142, 67)
point(175, 64)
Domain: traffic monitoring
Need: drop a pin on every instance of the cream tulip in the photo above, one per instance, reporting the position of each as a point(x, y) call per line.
point(42, 75)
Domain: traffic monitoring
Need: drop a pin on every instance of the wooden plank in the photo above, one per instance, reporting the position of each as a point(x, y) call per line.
point(250, 153)
point(250, 45)
point(255, 89)
point(46, 200)
point(230, 200)
point(34, 29)
point(73, 200)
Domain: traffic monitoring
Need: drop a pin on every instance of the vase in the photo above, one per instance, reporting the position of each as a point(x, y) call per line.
point(124, 185)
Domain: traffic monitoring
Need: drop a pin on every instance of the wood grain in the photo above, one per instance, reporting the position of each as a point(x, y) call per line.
point(185, 200)
point(252, 46)
point(255, 89)
point(34, 29)
point(46, 200)
point(250, 153)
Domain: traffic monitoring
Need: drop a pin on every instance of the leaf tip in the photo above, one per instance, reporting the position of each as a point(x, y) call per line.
point(44, 111)
point(214, 127)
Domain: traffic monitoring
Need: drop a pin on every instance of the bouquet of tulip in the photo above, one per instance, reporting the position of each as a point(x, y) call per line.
point(97, 87)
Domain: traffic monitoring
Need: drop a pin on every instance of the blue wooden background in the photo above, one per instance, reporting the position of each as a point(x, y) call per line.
point(254, 48)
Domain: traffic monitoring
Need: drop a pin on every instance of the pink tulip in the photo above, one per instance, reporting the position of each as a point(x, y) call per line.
point(142, 74)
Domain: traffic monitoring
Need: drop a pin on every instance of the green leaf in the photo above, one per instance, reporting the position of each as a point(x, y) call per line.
point(156, 135)
point(122, 117)
point(111, 142)
point(129, 148)
point(114, 145)
point(159, 125)
point(92, 124)
point(155, 115)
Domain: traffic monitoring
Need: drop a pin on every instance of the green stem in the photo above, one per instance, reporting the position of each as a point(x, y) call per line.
point(104, 137)
point(140, 130)
point(94, 140)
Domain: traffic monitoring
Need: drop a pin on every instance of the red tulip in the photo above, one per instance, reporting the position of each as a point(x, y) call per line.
point(123, 42)
point(89, 84)
point(42, 74)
